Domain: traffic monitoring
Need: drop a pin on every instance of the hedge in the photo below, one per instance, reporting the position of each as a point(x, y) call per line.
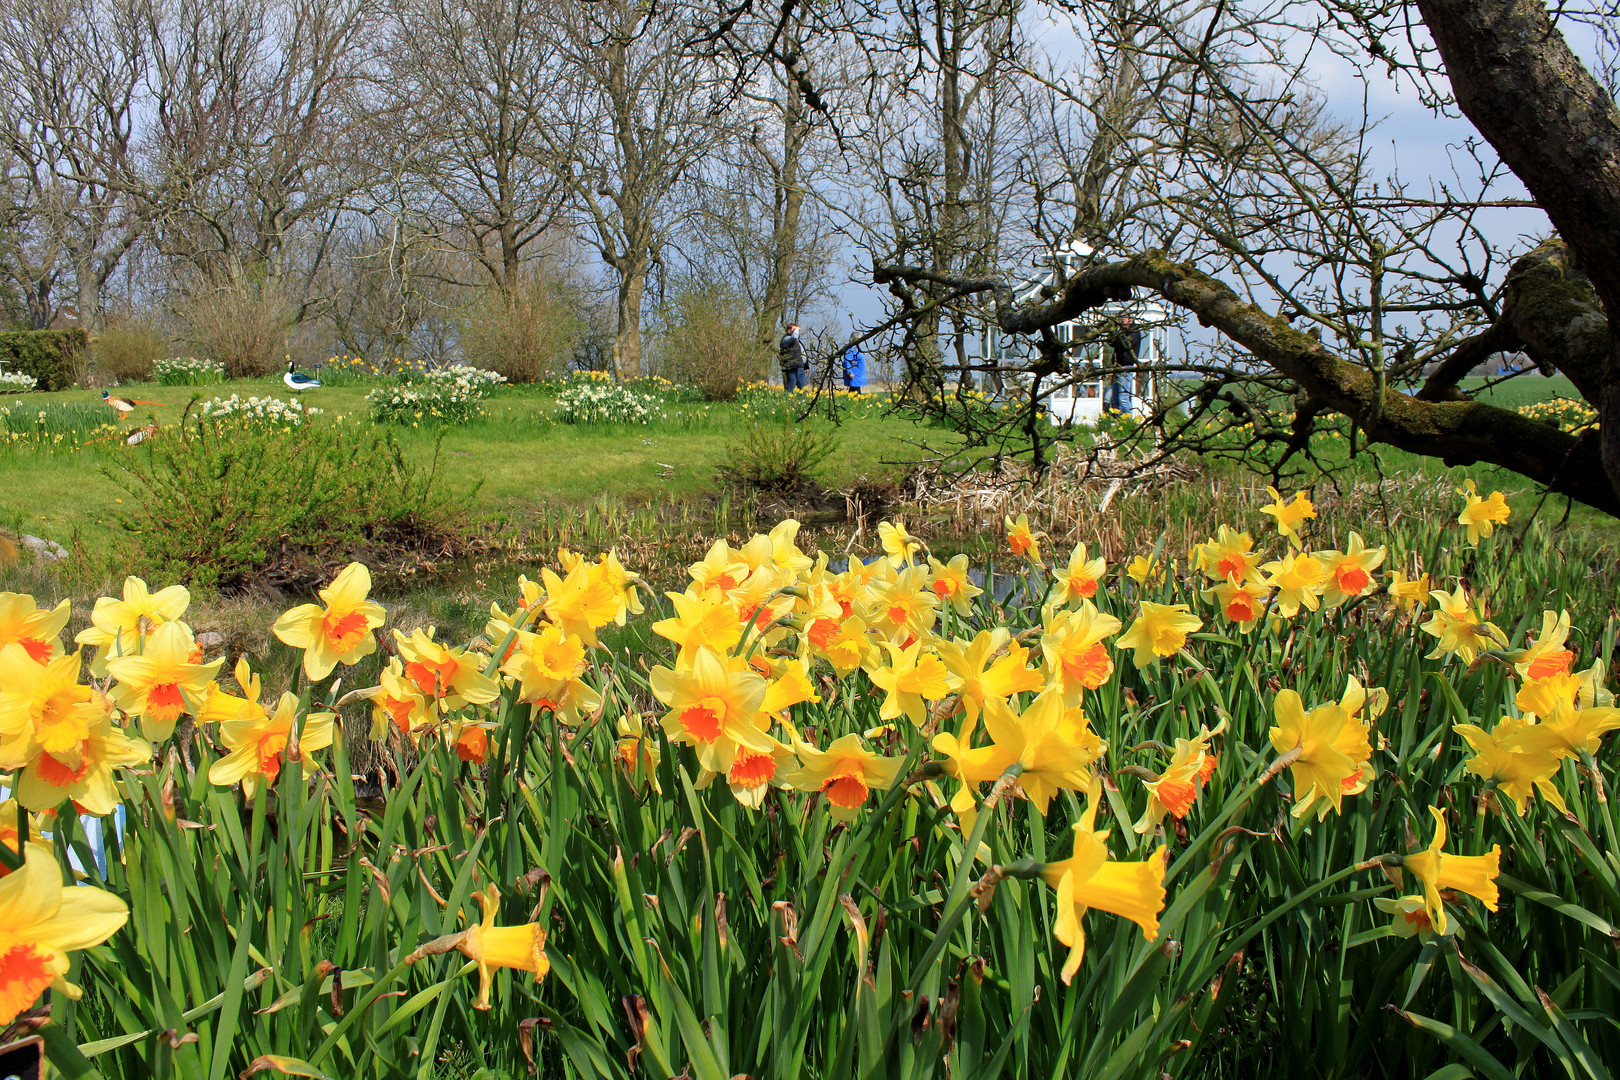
point(54, 357)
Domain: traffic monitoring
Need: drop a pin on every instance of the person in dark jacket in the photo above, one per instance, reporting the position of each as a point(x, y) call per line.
point(854, 369)
point(790, 354)
point(1126, 346)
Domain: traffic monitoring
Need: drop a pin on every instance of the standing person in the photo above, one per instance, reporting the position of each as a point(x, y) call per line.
point(854, 369)
point(790, 354)
point(1126, 344)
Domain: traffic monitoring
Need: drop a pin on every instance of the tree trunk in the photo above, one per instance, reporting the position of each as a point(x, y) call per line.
point(627, 346)
point(1527, 92)
point(789, 205)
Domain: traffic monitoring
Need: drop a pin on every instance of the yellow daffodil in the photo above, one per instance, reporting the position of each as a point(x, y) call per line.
point(636, 750)
point(1020, 540)
point(971, 766)
point(1409, 593)
point(1089, 879)
point(258, 745)
point(845, 773)
point(950, 583)
point(521, 947)
point(340, 632)
point(548, 665)
point(714, 707)
point(1516, 772)
point(583, 602)
point(37, 630)
point(1078, 581)
point(1471, 874)
point(898, 544)
point(1349, 572)
point(42, 705)
point(1072, 646)
point(1145, 570)
point(753, 772)
point(454, 676)
point(1459, 629)
point(1571, 723)
point(704, 621)
point(41, 921)
point(218, 706)
point(118, 626)
point(1333, 744)
point(1481, 516)
point(721, 569)
point(841, 642)
point(992, 665)
point(909, 678)
point(1289, 515)
point(1035, 739)
point(1160, 630)
point(777, 549)
point(1299, 580)
point(161, 684)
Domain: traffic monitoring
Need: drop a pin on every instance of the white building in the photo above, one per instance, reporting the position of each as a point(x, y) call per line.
point(1079, 395)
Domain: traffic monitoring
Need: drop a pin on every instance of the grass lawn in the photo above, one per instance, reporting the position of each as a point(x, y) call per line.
point(531, 470)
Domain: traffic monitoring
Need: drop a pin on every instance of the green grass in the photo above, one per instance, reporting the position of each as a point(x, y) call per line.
point(532, 471)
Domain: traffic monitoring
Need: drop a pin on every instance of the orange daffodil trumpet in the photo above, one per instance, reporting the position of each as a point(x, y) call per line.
point(339, 629)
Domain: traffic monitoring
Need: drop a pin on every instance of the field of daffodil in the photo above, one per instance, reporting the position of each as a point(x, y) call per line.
point(1285, 804)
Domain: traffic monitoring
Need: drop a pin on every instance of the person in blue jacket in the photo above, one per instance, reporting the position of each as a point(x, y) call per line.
point(854, 369)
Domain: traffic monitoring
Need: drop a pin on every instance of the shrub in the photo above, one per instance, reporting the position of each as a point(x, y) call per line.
point(452, 395)
point(128, 352)
point(55, 358)
point(590, 399)
point(781, 455)
point(226, 502)
point(241, 325)
point(710, 342)
point(188, 371)
point(527, 335)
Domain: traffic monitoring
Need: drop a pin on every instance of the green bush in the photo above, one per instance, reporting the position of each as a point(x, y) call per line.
point(53, 357)
point(228, 504)
point(780, 455)
point(710, 341)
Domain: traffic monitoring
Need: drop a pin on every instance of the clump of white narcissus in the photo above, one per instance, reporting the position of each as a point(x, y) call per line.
point(258, 410)
point(448, 395)
point(588, 400)
point(15, 382)
point(188, 371)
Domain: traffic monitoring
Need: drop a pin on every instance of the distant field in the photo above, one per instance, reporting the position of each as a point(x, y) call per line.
point(1524, 390)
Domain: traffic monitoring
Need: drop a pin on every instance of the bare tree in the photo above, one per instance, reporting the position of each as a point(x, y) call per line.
point(642, 110)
